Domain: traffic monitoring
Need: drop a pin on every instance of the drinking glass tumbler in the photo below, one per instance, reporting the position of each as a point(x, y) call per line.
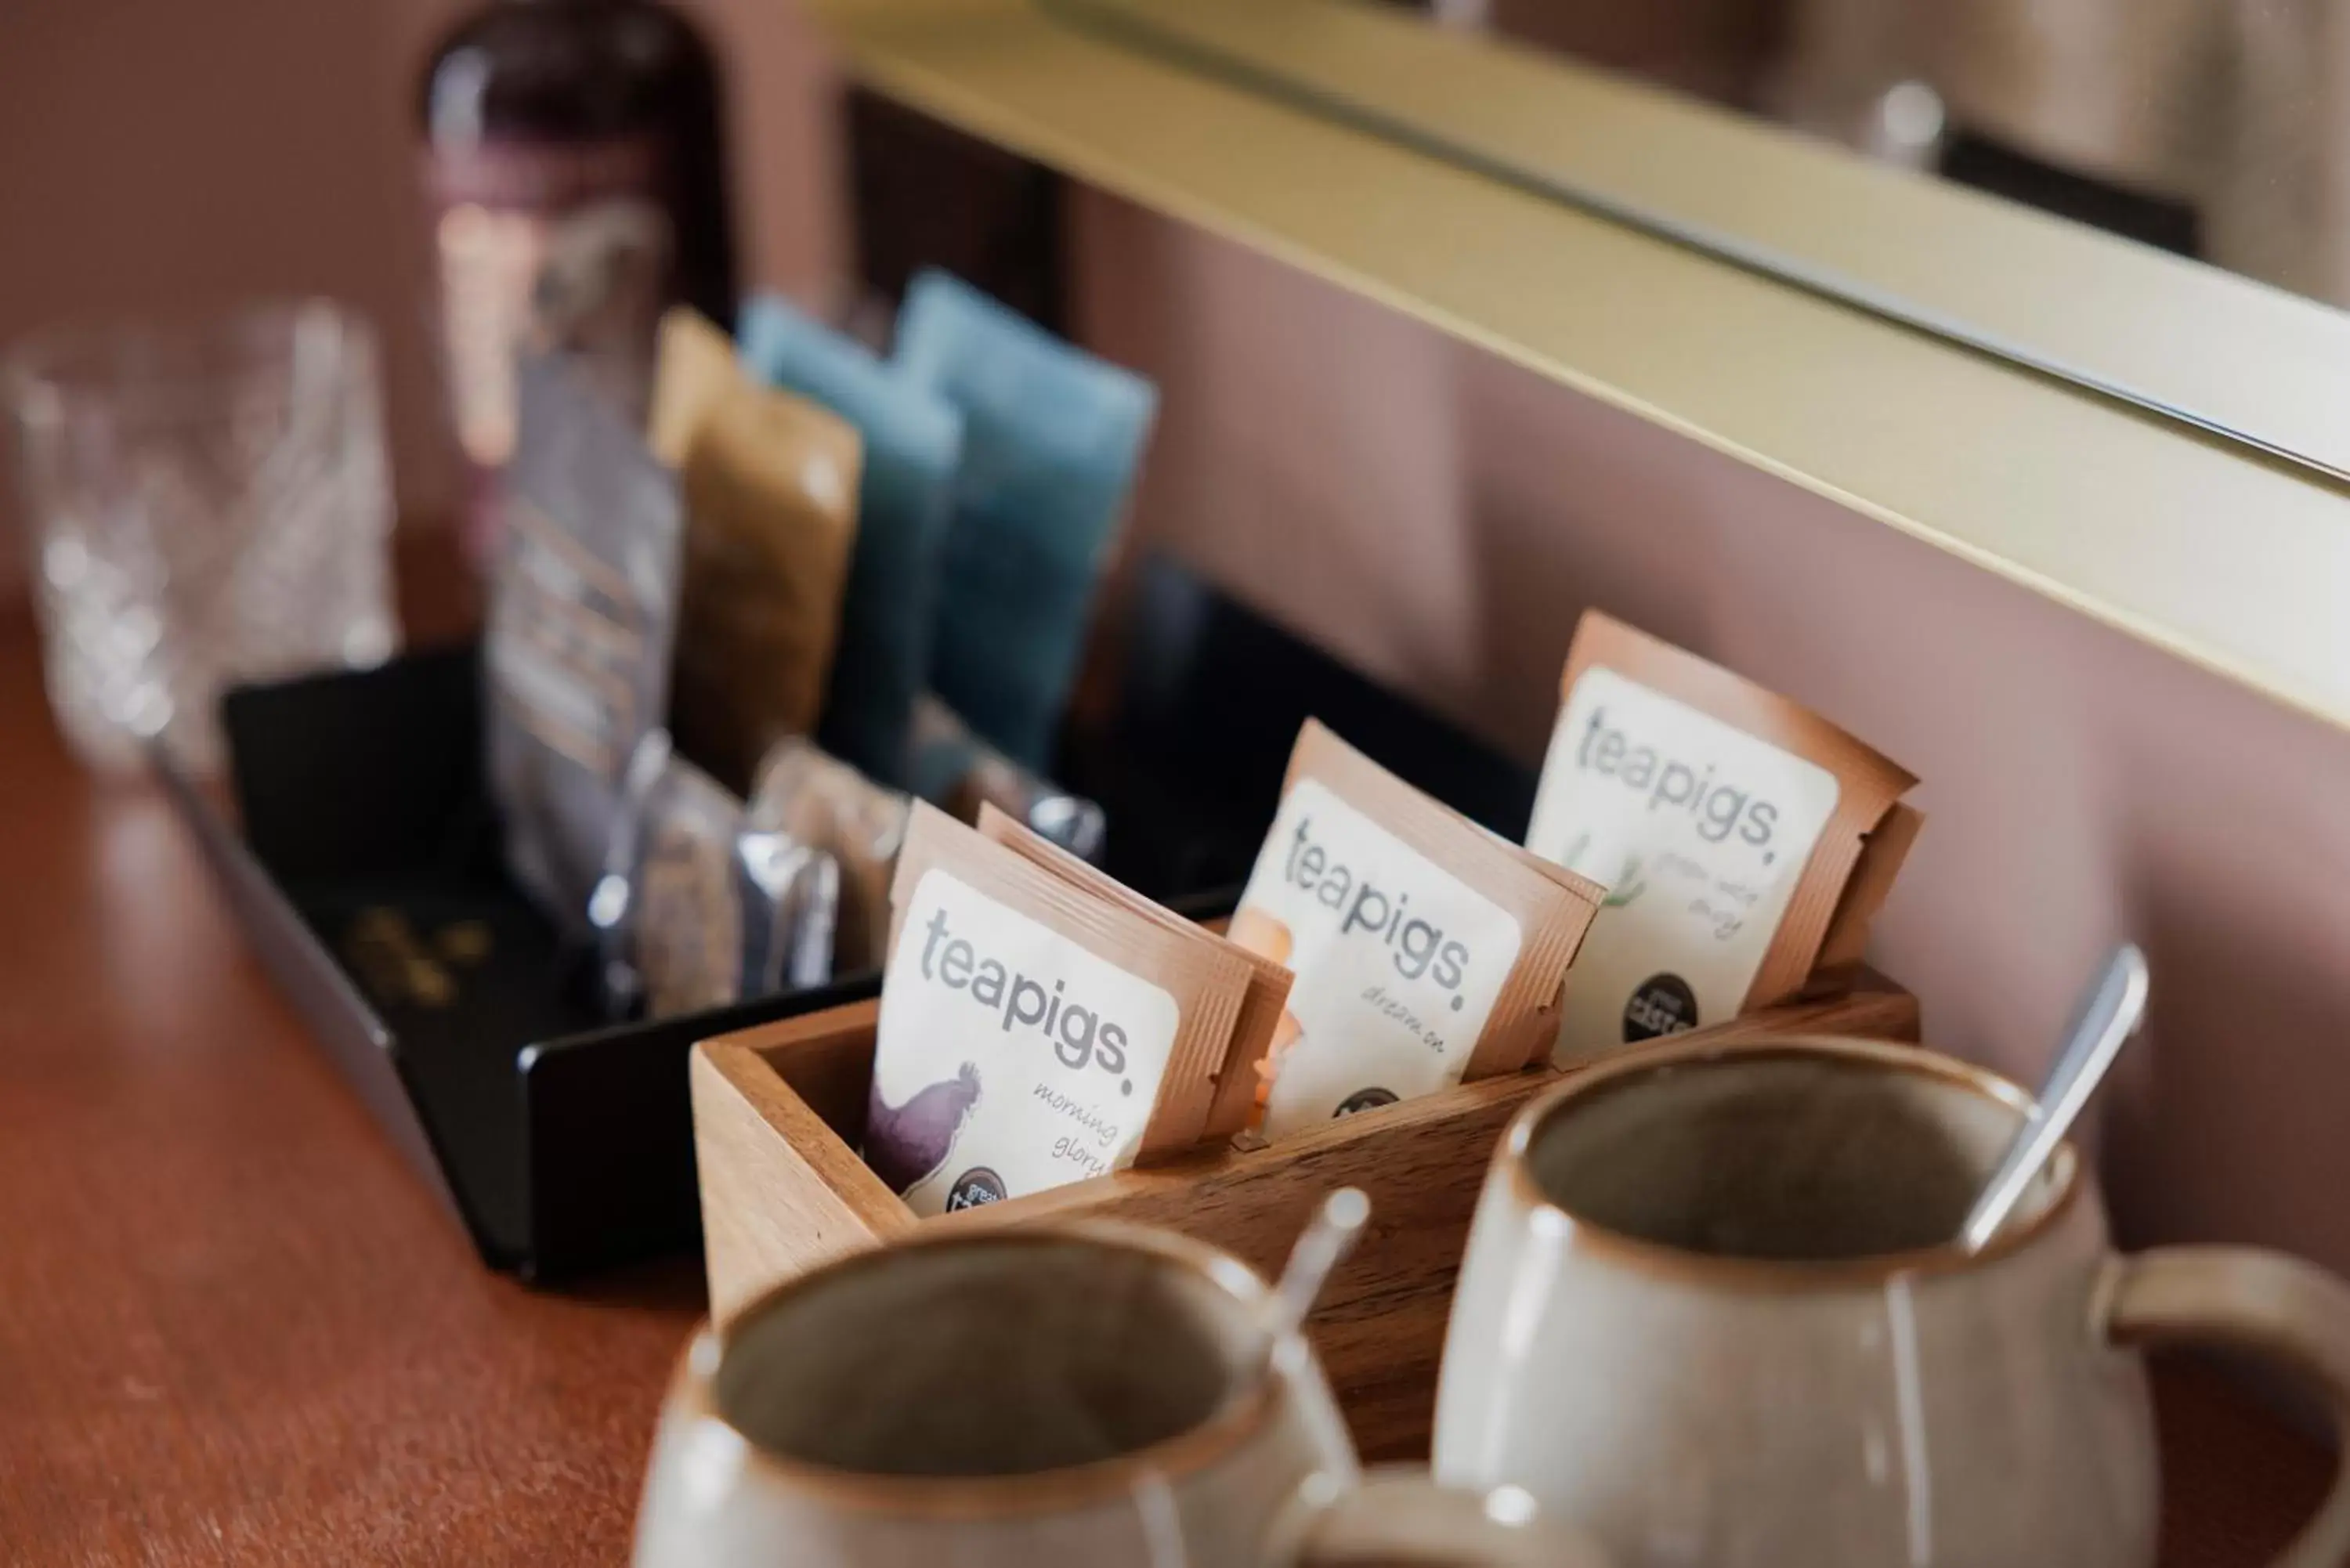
point(206, 506)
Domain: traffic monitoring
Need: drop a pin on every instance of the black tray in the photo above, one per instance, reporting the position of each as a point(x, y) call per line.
point(565, 1143)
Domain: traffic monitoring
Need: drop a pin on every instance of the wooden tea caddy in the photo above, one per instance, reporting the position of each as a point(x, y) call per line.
point(779, 1110)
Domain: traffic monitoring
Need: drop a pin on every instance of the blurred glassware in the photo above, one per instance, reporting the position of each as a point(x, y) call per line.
point(204, 504)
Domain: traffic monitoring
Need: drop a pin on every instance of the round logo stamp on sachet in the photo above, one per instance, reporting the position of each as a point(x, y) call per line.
point(974, 1187)
point(1662, 1004)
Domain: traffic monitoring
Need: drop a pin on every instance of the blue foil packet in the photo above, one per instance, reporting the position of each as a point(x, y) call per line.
point(1052, 436)
point(913, 444)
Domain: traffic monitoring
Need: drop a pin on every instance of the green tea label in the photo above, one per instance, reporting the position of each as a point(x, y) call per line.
point(1699, 830)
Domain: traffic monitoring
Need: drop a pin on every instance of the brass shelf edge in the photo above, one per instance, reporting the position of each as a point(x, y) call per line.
point(2224, 558)
point(1496, 109)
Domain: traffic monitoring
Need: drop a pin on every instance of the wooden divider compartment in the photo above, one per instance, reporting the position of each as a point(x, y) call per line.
point(779, 1110)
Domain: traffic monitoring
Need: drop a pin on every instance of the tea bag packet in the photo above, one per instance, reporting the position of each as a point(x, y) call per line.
point(1261, 1010)
point(770, 489)
point(697, 909)
point(675, 919)
point(1427, 951)
point(812, 798)
point(1729, 825)
point(695, 369)
point(576, 651)
point(1052, 436)
point(913, 444)
point(1031, 1032)
point(955, 769)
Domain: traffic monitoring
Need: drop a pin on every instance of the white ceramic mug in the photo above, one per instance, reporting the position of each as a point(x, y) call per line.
point(1711, 1311)
point(1087, 1394)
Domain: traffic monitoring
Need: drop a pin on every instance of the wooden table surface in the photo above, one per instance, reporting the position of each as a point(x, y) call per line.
point(234, 1329)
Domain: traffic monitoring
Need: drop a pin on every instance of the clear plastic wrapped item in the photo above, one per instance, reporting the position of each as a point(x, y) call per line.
point(696, 909)
point(956, 770)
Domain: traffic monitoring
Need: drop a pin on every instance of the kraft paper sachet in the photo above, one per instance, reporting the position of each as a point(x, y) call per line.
point(1881, 855)
point(576, 653)
point(1052, 438)
point(1261, 1010)
point(1427, 951)
point(770, 485)
point(1032, 1034)
point(913, 449)
point(1738, 833)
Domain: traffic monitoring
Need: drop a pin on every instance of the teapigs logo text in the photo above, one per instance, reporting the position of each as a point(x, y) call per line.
point(1078, 1034)
point(1418, 946)
point(1700, 831)
point(1009, 1056)
point(1398, 960)
point(1720, 807)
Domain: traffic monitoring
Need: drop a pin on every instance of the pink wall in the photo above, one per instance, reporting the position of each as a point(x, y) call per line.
point(161, 157)
point(170, 157)
point(1439, 518)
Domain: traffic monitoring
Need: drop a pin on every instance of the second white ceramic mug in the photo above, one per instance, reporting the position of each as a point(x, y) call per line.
point(1082, 1395)
point(1710, 1311)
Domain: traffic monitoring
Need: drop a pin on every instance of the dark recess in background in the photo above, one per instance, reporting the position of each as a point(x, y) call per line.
point(2002, 171)
point(928, 195)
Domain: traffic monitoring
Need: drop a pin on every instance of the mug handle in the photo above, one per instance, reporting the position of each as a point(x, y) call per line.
point(1402, 1515)
point(2280, 1308)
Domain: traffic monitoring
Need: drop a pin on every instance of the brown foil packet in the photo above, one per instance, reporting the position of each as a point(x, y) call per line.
point(770, 488)
point(1268, 982)
point(1031, 1032)
point(695, 371)
point(1427, 951)
point(815, 798)
point(1746, 840)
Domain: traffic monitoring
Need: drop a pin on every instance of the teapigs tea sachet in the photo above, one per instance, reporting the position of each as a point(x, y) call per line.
point(577, 648)
point(770, 489)
point(1729, 824)
point(1032, 1034)
point(1427, 951)
point(1262, 1009)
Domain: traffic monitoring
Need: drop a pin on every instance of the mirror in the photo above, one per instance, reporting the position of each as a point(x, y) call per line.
point(2213, 128)
point(2011, 253)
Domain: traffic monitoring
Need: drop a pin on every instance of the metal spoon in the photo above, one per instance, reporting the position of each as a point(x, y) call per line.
point(2109, 1015)
point(1320, 1248)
